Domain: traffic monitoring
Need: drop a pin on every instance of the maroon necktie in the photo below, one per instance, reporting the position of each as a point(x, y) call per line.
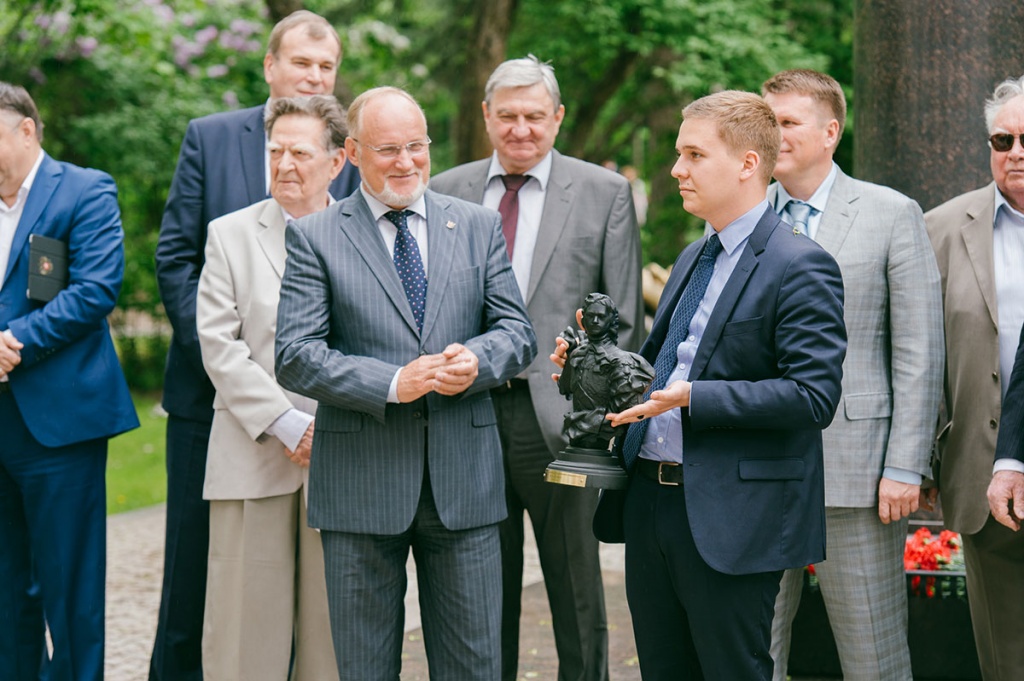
point(509, 208)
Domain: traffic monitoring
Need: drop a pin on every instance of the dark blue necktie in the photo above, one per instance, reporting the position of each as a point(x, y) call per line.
point(678, 329)
point(409, 264)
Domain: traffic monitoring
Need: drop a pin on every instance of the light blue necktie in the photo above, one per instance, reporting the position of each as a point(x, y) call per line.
point(799, 213)
point(409, 264)
point(678, 329)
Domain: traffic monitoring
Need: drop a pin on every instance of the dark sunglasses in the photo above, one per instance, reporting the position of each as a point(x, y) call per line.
point(1003, 141)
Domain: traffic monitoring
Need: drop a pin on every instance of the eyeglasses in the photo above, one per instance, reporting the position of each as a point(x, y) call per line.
point(1003, 141)
point(415, 148)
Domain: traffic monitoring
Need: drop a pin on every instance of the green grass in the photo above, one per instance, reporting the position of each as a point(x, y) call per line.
point(136, 475)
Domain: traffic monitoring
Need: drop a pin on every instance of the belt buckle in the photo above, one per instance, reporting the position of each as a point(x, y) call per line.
point(661, 466)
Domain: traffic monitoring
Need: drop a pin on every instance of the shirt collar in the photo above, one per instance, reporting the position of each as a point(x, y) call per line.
point(377, 208)
point(288, 216)
point(739, 230)
point(1009, 212)
point(818, 199)
point(26, 185)
point(541, 171)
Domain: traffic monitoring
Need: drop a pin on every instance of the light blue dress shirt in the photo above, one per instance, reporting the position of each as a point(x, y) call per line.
point(664, 438)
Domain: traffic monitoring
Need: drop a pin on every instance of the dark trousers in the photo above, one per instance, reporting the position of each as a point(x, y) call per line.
point(457, 572)
point(177, 652)
point(561, 517)
point(690, 621)
point(53, 540)
point(995, 591)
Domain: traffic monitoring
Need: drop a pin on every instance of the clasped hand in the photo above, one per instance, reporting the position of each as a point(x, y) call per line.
point(449, 372)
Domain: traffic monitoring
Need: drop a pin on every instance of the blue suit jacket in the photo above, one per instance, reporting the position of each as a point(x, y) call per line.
point(1010, 443)
point(344, 327)
point(766, 381)
point(220, 170)
point(69, 387)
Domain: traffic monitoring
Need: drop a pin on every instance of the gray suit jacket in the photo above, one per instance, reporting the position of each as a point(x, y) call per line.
point(892, 374)
point(236, 314)
point(961, 233)
point(589, 241)
point(345, 327)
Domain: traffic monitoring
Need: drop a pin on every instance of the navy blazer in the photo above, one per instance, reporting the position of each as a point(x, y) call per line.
point(344, 327)
point(766, 381)
point(220, 170)
point(69, 386)
point(1010, 443)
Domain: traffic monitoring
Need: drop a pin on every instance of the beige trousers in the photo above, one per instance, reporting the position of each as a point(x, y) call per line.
point(265, 588)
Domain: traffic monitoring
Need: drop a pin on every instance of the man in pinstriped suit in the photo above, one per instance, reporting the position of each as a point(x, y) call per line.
point(406, 451)
point(877, 447)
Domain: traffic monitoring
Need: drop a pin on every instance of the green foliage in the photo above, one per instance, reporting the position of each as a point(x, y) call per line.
point(117, 80)
point(136, 469)
point(142, 359)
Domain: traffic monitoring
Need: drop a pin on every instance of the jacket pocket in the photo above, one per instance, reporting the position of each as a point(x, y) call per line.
point(339, 421)
point(771, 469)
point(868, 406)
point(482, 412)
point(743, 326)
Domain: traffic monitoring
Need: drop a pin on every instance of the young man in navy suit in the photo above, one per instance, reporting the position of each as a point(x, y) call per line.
point(223, 167)
point(726, 486)
point(62, 396)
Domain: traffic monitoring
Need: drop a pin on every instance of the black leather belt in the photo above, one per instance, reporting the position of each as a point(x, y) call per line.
point(5, 387)
point(662, 472)
point(512, 384)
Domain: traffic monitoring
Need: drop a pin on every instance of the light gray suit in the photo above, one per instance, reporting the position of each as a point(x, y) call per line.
point(961, 232)
point(381, 480)
point(892, 379)
point(266, 567)
point(588, 242)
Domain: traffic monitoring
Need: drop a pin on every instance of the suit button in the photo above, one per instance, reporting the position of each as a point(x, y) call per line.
point(995, 376)
point(417, 414)
point(993, 423)
point(422, 352)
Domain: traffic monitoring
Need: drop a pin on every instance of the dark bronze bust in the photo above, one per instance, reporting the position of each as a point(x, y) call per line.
point(600, 378)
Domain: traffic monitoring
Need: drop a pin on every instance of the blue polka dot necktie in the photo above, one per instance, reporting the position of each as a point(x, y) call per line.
point(678, 329)
point(409, 264)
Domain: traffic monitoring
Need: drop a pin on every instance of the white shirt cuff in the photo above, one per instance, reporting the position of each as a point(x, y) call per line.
point(1008, 465)
point(901, 475)
point(393, 390)
point(289, 427)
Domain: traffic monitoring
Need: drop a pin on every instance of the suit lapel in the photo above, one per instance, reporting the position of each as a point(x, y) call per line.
point(252, 144)
point(557, 206)
point(441, 246)
point(359, 226)
point(47, 179)
point(977, 236)
point(840, 212)
point(271, 236)
point(733, 289)
point(476, 181)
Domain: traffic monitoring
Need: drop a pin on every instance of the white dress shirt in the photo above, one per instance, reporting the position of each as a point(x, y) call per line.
point(531, 209)
point(1008, 260)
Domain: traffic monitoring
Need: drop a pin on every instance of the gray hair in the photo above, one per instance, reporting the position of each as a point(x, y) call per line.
point(523, 73)
point(1011, 88)
point(17, 100)
point(324, 108)
point(355, 110)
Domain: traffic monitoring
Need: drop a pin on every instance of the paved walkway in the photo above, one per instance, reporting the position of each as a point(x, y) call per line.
point(135, 564)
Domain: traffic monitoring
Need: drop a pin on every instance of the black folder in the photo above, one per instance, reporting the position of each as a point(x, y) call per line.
point(47, 267)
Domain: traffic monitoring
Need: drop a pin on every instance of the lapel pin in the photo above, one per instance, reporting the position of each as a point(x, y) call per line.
point(450, 225)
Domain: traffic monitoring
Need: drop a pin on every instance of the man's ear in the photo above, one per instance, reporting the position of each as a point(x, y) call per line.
point(751, 164)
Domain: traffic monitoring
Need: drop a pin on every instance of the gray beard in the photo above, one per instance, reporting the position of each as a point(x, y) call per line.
point(393, 199)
